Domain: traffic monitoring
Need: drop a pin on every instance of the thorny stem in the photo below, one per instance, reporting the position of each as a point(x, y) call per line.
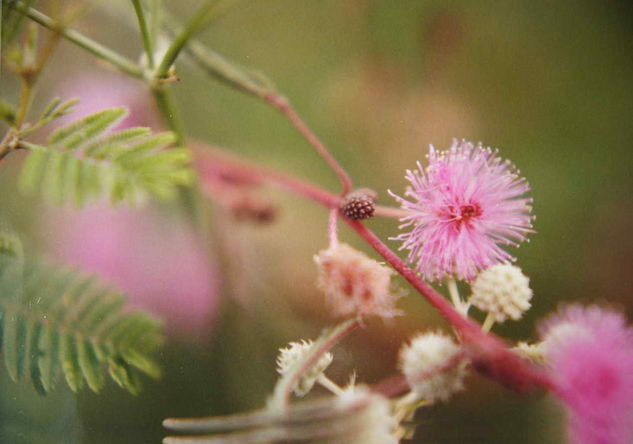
point(82, 41)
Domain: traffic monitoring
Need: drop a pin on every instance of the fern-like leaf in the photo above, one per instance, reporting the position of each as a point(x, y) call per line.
point(55, 321)
point(84, 161)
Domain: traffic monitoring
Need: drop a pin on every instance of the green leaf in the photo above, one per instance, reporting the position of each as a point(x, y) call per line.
point(87, 128)
point(7, 112)
point(85, 162)
point(70, 361)
point(11, 340)
point(55, 320)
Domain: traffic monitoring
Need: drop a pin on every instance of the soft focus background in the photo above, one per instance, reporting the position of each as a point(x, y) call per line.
point(548, 83)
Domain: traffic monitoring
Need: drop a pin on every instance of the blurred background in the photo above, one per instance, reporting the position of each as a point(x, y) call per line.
point(548, 83)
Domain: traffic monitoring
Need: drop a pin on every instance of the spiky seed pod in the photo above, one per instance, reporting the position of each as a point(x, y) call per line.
point(359, 204)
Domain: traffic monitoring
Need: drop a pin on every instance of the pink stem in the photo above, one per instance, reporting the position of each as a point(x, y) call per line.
point(280, 103)
point(489, 354)
point(242, 172)
point(333, 229)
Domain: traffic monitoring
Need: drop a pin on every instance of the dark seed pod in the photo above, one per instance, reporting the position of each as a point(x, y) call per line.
point(359, 204)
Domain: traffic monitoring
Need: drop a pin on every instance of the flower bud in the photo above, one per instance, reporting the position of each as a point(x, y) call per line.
point(433, 366)
point(503, 291)
point(295, 352)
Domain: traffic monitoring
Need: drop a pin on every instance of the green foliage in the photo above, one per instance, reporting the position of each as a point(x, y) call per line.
point(86, 161)
point(7, 112)
point(56, 321)
point(12, 20)
point(54, 110)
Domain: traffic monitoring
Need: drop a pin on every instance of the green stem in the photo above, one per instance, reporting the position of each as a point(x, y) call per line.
point(169, 111)
point(488, 322)
point(82, 41)
point(196, 22)
point(142, 23)
point(25, 100)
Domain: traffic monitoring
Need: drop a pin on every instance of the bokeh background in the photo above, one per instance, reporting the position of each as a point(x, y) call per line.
point(549, 83)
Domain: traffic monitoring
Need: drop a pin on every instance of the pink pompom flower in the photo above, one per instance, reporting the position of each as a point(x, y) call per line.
point(465, 205)
point(590, 356)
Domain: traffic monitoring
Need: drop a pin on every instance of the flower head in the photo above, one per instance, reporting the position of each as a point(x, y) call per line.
point(295, 352)
point(465, 205)
point(355, 284)
point(590, 354)
point(433, 366)
point(502, 290)
point(372, 421)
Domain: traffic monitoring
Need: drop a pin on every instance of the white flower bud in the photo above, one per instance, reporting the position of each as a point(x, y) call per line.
point(433, 366)
point(293, 353)
point(503, 291)
point(373, 422)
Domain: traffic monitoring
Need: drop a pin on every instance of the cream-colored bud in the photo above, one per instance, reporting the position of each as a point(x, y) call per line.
point(294, 352)
point(503, 291)
point(433, 366)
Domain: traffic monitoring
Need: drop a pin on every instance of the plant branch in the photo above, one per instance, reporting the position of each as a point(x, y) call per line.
point(95, 48)
point(197, 21)
point(490, 355)
point(285, 385)
point(221, 69)
point(169, 111)
point(282, 104)
point(213, 162)
point(142, 23)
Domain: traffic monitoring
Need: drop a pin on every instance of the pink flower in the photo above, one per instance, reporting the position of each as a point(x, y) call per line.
point(98, 90)
point(590, 353)
point(154, 257)
point(466, 204)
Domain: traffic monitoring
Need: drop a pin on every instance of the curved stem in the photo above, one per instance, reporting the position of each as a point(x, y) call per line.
point(280, 103)
point(142, 24)
point(490, 355)
point(198, 19)
point(285, 385)
point(82, 41)
point(221, 69)
point(214, 162)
